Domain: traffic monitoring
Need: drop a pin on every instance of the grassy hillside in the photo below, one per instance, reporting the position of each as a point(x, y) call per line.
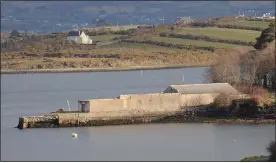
point(125, 47)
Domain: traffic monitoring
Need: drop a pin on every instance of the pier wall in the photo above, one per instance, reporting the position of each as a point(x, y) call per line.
point(99, 105)
point(151, 102)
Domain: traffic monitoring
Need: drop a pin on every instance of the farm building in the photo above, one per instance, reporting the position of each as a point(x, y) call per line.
point(203, 88)
point(173, 98)
point(79, 37)
point(183, 20)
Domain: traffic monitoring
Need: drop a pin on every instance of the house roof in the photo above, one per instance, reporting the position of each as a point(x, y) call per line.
point(183, 19)
point(204, 88)
point(74, 33)
point(186, 18)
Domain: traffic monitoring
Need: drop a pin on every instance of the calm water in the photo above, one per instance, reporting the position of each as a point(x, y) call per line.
point(34, 94)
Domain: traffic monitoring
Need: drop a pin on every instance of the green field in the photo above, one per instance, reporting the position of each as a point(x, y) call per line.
point(222, 33)
point(103, 38)
point(259, 24)
point(193, 42)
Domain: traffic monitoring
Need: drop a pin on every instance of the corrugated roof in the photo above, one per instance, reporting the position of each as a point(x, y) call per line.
point(129, 95)
point(204, 88)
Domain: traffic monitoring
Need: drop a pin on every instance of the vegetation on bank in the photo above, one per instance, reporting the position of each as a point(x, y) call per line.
point(271, 158)
point(271, 148)
point(254, 158)
point(251, 72)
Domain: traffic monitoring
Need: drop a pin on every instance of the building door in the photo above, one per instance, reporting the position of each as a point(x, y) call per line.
point(83, 107)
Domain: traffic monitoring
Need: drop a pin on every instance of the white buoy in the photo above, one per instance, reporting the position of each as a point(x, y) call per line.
point(74, 135)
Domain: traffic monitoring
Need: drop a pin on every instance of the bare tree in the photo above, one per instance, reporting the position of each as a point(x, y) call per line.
point(226, 70)
point(249, 68)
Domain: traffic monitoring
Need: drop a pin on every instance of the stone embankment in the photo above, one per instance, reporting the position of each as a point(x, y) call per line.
point(75, 119)
point(45, 121)
point(79, 119)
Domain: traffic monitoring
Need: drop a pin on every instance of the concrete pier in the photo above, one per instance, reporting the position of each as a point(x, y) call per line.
point(169, 106)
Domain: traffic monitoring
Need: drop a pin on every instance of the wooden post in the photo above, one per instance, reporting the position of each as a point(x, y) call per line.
point(78, 120)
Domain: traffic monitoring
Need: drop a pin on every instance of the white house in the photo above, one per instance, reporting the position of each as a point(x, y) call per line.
point(266, 16)
point(183, 20)
point(79, 37)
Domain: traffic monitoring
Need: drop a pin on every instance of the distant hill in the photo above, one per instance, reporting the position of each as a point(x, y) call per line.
point(61, 15)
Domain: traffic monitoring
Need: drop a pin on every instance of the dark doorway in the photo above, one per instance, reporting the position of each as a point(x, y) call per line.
point(83, 107)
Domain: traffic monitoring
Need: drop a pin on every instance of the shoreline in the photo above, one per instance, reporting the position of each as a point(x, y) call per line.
point(74, 119)
point(239, 121)
point(76, 70)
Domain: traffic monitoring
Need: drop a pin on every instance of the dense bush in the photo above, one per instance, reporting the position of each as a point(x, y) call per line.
point(222, 101)
point(212, 24)
point(266, 37)
point(120, 38)
point(238, 27)
point(124, 32)
point(260, 95)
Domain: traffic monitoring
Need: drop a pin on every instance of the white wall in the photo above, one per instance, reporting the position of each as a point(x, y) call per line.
point(82, 39)
point(151, 102)
point(77, 39)
point(85, 39)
